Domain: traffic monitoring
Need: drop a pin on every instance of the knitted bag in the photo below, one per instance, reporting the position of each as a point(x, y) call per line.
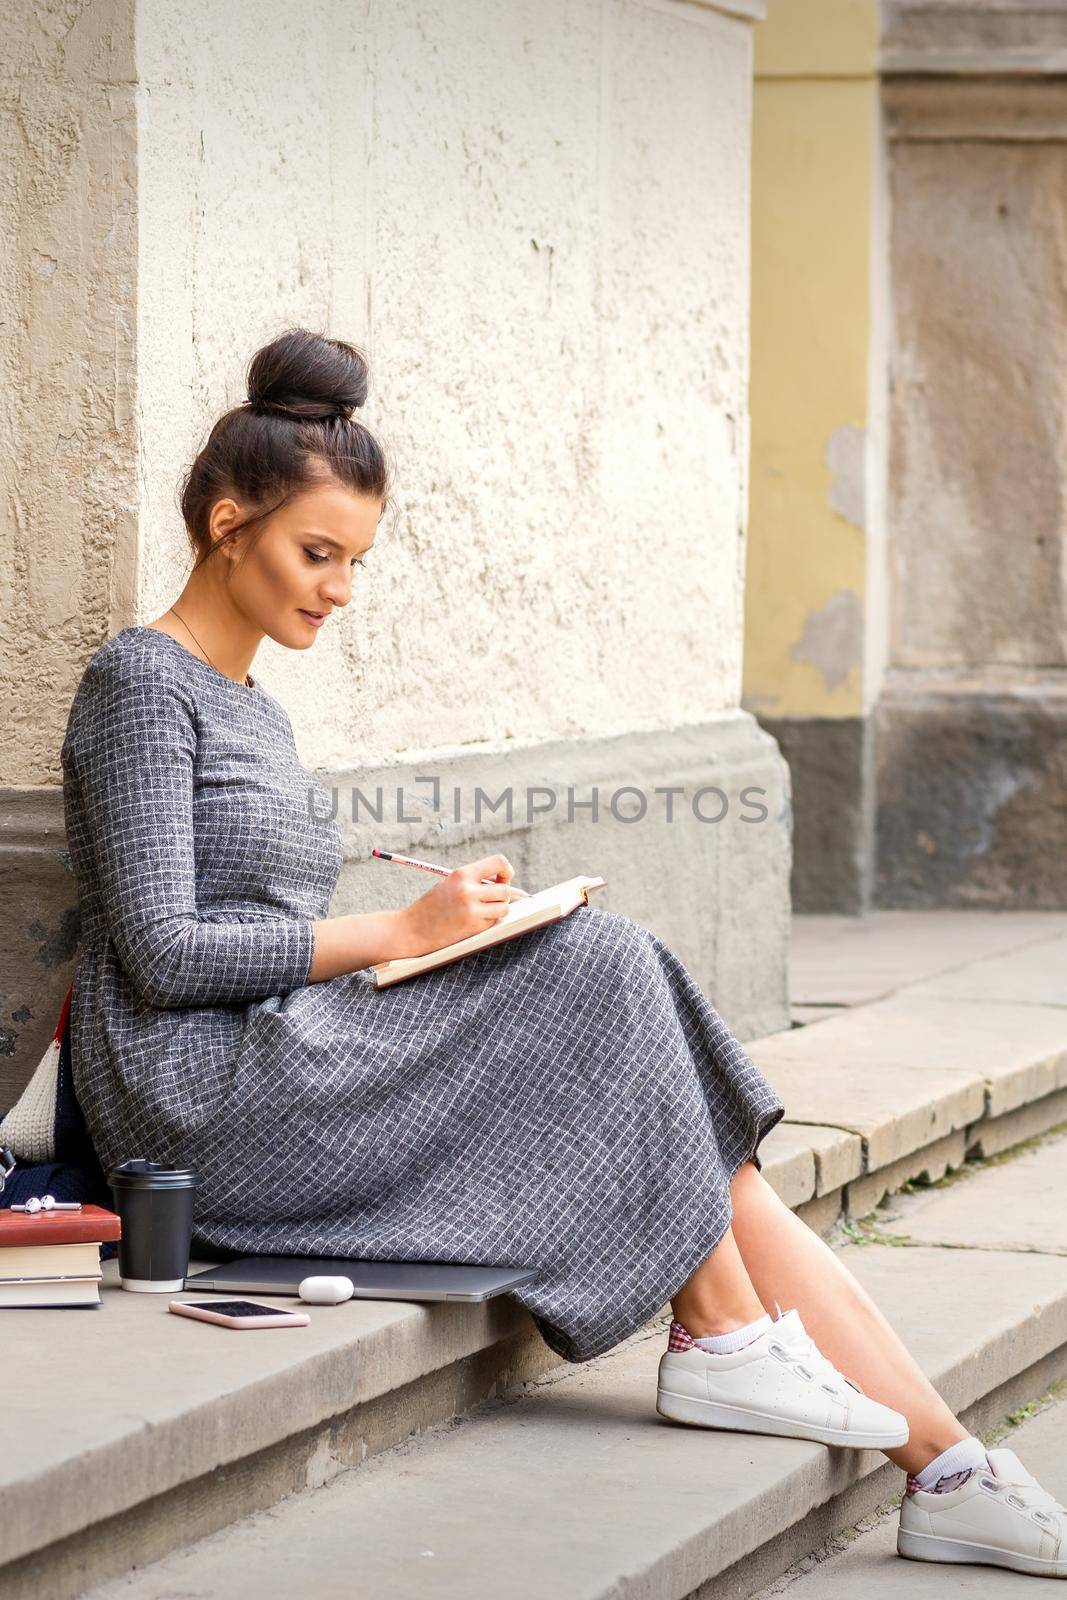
point(30, 1127)
point(46, 1131)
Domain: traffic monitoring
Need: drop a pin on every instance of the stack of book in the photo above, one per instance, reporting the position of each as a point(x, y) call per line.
point(52, 1258)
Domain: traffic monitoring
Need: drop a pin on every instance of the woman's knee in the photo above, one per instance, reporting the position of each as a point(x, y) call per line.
point(754, 1199)
point(747, 1186)
point(614, 935)
point(746, 1178)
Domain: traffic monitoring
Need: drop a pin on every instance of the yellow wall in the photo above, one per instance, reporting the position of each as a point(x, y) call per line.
point(814, 131)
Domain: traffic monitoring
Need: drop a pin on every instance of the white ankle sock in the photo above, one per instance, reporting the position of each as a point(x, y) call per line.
point(958, 1460)
point(721, 1344)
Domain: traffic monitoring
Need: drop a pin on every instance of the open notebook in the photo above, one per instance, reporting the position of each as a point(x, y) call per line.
point(547, 905)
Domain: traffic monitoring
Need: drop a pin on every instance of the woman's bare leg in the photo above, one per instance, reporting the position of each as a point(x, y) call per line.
point(720, 1295)
point(788, 1262)
point(769, 1254)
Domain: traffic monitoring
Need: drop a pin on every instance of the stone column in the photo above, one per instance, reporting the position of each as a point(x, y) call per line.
point(68, 466)
point(535, 218)
point(972, 721)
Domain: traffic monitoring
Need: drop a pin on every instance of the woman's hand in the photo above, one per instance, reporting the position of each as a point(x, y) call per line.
point(458, 906)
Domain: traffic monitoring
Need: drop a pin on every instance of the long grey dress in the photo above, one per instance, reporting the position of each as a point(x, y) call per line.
point(568, 1101)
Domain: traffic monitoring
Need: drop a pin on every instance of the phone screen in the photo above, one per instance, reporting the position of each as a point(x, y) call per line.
point(238, 1308)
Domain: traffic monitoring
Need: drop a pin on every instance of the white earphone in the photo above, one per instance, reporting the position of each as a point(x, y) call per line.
point(325, 1291)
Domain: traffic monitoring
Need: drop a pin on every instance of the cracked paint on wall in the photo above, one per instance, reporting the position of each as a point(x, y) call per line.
point(832, 640)
point(846, 457)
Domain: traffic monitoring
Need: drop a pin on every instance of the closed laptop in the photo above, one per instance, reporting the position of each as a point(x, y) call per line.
point(371, 1280)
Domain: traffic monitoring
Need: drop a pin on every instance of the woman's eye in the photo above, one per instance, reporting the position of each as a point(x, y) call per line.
point(317, 556)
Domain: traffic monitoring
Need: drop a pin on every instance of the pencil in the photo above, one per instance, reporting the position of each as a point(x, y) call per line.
point(430, 866)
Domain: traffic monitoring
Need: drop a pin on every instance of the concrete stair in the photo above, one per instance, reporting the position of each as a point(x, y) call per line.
point(862, 1560)
point(578, 1490)
point(140, 1433)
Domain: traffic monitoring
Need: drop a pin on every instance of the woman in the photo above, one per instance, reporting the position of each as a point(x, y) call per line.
point(568, 1101)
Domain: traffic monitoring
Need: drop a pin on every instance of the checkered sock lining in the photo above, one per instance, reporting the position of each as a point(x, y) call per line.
point(679, 1338)
point(950, 1481)
point(955, 1465)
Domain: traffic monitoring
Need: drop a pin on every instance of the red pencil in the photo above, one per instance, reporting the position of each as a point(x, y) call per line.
point(429, 866)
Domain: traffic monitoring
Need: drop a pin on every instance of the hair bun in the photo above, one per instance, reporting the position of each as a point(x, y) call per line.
point(307, 377)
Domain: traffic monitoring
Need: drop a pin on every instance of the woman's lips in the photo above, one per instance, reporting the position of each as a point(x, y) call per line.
point(315, 618)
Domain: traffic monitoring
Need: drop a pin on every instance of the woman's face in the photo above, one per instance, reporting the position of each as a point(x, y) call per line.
point(303, 562)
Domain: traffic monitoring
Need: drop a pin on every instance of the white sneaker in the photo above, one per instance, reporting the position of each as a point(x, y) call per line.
point(1001, 1518)
point(779, 1383)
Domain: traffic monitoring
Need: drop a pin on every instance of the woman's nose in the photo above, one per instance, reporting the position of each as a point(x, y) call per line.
point(338, 591)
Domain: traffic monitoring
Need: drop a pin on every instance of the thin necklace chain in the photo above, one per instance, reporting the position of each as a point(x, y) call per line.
point(185, 625)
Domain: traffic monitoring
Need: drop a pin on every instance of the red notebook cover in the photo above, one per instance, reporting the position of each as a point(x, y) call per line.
point(92, 1224)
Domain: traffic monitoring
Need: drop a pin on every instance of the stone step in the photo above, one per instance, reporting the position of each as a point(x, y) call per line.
point(135, 1435)
point(579, 1490)
point(863, 1560)
point(135, 1426)
point(837, 960)
point(966, 1055)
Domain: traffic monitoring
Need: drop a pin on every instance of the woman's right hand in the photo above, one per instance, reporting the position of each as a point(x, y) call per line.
point(458, 906)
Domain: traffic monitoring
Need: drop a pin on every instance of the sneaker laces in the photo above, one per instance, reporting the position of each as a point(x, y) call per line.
point(802, 1349)
point(1029, 1493)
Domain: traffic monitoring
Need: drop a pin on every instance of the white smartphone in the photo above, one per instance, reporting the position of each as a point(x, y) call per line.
point(240, 1314)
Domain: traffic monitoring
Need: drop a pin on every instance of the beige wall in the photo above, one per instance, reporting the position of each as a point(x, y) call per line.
point(535, 216)
point(815, 595)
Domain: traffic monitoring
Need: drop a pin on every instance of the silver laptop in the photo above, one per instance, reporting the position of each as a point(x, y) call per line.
point(371, 1280)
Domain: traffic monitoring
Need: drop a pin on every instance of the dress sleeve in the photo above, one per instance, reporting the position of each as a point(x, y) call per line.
point(133, 759)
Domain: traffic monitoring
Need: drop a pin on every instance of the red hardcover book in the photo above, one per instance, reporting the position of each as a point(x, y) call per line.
point(90, 1225)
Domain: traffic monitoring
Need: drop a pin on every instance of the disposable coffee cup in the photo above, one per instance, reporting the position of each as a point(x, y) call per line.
point(155, 1205)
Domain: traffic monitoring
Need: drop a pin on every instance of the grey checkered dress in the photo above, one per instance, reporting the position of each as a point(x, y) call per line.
point(568, 1101)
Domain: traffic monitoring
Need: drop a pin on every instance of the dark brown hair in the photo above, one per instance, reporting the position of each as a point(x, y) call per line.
point(295, 430)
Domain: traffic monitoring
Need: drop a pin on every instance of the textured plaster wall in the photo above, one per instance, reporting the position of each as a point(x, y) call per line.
point(534, 215)
point(815, 587)
point(67, 285)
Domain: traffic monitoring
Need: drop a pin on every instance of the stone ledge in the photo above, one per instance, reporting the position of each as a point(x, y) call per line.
point(992, 1136)
point(968, 1061)
point(973, 36)
point(905, 1071)
point(192, 1403)
point(726, 914)
point(632, 1501)
point(925, 109)
point(209, 1429)
point(805, 1161)
point(859, 1193)
point(726, 911)
point(836, 961)
point(214, 1439)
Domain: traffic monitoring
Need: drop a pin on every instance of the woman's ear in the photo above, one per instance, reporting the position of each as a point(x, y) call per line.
point(225, 514)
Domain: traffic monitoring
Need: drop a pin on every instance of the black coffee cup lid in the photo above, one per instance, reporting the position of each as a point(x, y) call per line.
point(139, 1174)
